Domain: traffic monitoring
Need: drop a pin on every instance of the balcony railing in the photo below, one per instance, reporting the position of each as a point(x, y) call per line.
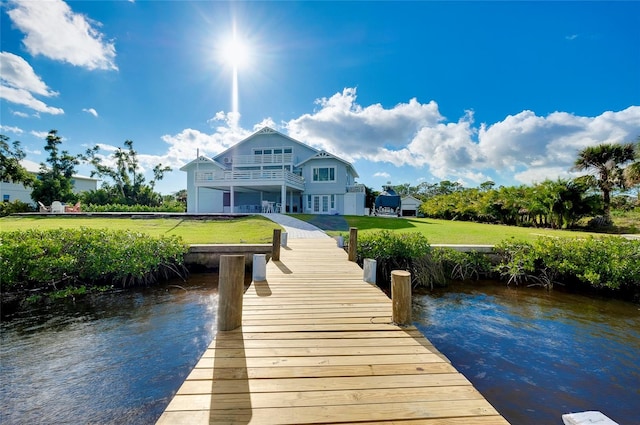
point(248, 177)
point(358, 188)
point(280, 158)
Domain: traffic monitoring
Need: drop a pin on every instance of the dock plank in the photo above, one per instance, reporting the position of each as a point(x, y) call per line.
point(317, 345)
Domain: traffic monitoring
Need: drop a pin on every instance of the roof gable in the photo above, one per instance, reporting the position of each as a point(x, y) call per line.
point(326, 155)
point(200, 160)
point(261, 132)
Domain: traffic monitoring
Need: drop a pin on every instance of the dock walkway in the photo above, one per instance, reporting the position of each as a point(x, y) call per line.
point(317, 346)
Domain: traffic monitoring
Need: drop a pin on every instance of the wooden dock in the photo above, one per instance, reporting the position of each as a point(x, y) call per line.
point(317, 346)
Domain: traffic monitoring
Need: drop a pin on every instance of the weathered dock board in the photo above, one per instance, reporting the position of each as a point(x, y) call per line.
point(317, 346)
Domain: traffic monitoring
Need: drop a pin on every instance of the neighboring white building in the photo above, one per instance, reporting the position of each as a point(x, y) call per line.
point(271, 171)
point(16, 191)
point(409, 206)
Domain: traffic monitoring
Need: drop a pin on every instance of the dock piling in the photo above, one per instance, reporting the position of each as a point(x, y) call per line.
point(230, 292)
point(401, 297)
point(353, 243)
point(275, 245)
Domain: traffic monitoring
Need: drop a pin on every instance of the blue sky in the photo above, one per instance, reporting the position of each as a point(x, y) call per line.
point(408, 92)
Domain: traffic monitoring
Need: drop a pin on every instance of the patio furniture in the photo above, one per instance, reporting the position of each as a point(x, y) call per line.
point(72, 209)
point(57, 207)
point(43, 208)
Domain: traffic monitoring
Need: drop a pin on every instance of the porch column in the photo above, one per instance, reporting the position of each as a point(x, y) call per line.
point(232, 200)
point(283, 197)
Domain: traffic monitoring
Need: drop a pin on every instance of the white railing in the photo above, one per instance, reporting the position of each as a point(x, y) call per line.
point(248, 176)
point(358, 188)
point(279, 158)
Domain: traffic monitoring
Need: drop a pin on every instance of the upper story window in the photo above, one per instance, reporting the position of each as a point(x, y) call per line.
point(324, 174)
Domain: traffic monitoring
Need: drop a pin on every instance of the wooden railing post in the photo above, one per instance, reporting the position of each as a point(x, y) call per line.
point(353, 243)
point(230, 291)
point(275, 245)
point(401, 297)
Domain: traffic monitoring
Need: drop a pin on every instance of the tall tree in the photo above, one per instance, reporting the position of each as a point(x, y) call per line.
point(129, 185)
point(10, 169)
point(632, 172)
point(606, 161)
point(54, 180)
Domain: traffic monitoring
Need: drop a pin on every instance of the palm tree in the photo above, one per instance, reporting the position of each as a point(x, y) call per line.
point(606, 161)
point(632, 172)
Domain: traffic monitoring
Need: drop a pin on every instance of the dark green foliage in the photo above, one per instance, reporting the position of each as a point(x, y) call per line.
point(56, 260)
point(392, 251)
point(8, 208)
point(10, 168)
point(458, 265)
point(609, 262)
point(54, 180)
point(166, 206)
point(125, 183)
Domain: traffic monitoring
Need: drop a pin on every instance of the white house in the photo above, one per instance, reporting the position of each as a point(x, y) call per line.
point(269, 171)
point(17, 191)
point(409, 206)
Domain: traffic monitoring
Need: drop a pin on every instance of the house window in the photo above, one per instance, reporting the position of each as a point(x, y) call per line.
point(308, 202)
point(324, 174)
point(6, 198)
point(333, 202)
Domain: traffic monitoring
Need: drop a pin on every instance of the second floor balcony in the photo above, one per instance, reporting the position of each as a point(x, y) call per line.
point(249, 178)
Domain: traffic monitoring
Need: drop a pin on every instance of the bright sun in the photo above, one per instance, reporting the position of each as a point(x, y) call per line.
point(235, 52)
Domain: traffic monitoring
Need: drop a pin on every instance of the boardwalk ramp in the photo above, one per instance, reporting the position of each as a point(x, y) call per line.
point(317, 346)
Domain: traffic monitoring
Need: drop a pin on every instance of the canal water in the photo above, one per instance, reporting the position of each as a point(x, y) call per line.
point(119, 358)
point(536, 355)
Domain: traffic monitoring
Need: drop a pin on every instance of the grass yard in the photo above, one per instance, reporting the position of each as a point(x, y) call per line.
point(255, 229)
point(436, 231)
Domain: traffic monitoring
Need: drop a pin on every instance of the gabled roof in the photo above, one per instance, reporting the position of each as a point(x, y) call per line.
point(326, 155)
point(411, 198)
point(200, 160)
point(264, 130)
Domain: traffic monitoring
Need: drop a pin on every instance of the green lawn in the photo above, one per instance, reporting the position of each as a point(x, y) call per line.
point(254, 229)
point(436, 231)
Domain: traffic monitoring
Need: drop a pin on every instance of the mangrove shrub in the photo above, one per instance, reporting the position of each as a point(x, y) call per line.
point(52, 260)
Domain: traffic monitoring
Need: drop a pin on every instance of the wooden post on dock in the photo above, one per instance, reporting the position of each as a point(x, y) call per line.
point(401, 297)
point(275, 245)
point(230, 292)
point(353, 243)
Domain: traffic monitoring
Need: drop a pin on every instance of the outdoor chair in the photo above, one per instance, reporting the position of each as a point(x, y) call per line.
point(43, 207)
point(57, 207)
point(74, 208)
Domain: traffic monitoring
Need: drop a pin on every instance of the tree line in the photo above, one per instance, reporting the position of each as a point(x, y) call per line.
point(123, 183)
point(561, 203)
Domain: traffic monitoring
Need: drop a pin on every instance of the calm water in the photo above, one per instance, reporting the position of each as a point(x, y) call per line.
point(116, 360)
point(536, 355)
point(119, 358)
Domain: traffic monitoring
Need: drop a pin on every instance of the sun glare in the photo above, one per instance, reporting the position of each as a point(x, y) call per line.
point(235, 52)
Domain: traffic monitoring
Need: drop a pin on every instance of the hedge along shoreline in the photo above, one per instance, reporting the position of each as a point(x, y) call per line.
point(609, 265)
point(68, 262)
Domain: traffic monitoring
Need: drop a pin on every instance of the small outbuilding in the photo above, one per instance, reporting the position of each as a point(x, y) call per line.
point(409, 206)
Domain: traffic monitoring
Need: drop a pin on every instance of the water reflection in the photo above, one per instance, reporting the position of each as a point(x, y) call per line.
point(116, 358)
point(536, 355)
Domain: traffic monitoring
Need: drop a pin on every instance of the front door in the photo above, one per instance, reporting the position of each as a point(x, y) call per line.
point(321, 204)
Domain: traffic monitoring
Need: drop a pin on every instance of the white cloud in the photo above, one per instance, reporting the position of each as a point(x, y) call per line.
point(382, 174)
point(10, 129)
point(40, 134)
point(19, 84)
point(524, 146)
point(53, 30)
point(345, 128)
point(20, 114)
point(90, 111)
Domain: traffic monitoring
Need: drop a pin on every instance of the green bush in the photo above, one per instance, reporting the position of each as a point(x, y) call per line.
point(608, 262)
point(170, 206)
point(8, 208)
point(53, 260)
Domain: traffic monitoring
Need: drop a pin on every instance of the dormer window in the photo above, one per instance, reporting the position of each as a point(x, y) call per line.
point(324, 174)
